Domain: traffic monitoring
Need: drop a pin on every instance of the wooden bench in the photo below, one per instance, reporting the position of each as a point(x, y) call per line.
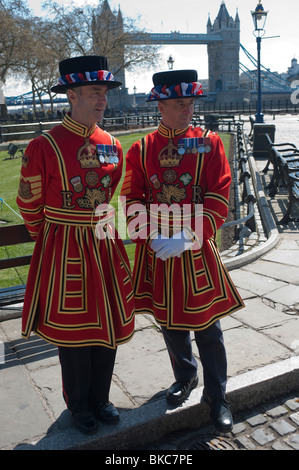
point(13, 235)
point(227, 120)
point(290, 176)
point(213, 122)
point(285, 159)
point(13, 149)
point(289, 151)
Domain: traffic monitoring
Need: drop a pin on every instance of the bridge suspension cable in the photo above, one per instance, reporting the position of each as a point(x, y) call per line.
point(270, 79)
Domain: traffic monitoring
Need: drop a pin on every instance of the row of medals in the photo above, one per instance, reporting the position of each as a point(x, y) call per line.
point(107, 153)
point(194, 145)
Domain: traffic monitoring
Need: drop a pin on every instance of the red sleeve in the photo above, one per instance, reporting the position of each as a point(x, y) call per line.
point(117, 174)
point(133, 196)
point(218, 179)
point(32, 184)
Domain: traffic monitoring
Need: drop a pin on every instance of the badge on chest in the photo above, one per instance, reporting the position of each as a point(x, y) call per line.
point(87, 155)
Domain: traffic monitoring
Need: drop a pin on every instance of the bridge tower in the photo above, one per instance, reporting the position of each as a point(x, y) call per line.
point(111, 22)
point(223, 56)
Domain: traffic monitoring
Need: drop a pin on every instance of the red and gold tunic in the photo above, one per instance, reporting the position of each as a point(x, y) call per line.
point(79, 288)
point(179, 168)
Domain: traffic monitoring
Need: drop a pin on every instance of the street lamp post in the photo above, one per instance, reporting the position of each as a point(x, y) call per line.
point(259, 16)
point(134, 100)
point(170, 62)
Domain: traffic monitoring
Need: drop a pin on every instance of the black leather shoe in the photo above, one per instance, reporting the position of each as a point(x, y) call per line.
point(220, 414)
point(85, 422)
point(107, 413)
point(180, 391)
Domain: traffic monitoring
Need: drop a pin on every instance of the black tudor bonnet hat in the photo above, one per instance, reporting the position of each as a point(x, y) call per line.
point(175, 84)
point(84, 70)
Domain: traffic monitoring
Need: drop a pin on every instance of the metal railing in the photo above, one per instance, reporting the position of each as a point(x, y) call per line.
point(271, 106)
point(247, 195)
point(28, 131)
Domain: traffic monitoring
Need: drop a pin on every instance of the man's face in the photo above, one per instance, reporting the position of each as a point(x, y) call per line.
point(88, 103)
point(177, 113)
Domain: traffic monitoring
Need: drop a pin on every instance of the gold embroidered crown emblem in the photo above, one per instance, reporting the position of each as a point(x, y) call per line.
point(169, 157)
point(87, 156)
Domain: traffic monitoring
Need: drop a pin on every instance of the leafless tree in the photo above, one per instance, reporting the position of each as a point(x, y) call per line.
point(98, 30)
point(12, 13)
point(31, 47)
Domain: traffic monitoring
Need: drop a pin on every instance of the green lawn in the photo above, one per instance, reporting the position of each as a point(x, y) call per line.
point(10, 173)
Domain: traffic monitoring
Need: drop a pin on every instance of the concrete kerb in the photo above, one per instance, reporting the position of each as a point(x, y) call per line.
point(154, 420)
point(136, 427)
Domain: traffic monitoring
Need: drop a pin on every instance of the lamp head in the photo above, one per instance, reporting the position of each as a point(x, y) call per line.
point(259, 16)
point(170, 62)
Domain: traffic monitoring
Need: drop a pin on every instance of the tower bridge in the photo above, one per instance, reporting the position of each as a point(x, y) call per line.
point(222, 39)
point(178, 38)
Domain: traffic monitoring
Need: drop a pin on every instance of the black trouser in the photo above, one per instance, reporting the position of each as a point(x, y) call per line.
point(212, 355)
point(86, 375)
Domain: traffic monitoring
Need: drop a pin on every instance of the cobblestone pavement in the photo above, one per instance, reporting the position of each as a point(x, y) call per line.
point(270, 426)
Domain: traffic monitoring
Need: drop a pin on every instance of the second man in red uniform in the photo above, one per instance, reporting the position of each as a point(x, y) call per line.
point(179, 276)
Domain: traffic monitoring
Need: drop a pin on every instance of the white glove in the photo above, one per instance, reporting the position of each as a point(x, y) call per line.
point(159, 242)
point(175, 246)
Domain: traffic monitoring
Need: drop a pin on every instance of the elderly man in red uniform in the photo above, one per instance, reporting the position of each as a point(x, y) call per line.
point(79, 292)
point(179, 277)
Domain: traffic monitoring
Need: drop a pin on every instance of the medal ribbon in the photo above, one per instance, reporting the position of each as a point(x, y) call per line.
point(194, 145)
point(107, 153)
